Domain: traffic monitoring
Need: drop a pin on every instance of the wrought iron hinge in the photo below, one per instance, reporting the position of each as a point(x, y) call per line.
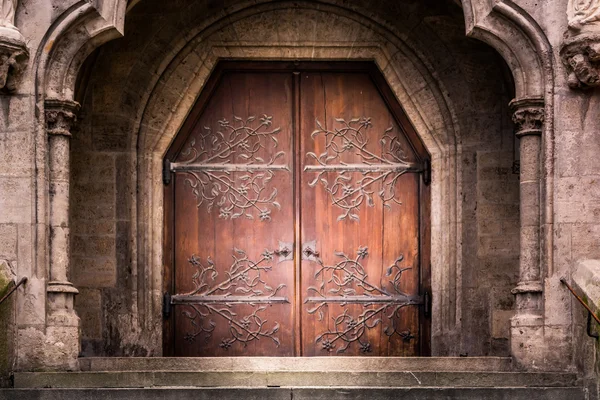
point(427, 172)
point(166, 305)
point(427, 304)
point(166, 171)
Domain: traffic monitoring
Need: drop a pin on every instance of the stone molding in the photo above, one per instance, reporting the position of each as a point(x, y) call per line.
point(61, 287)
point(528, 116)
point(61, 115)
point(528, 287)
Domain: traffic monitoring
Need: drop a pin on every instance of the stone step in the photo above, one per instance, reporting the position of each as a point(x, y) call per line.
point(258, 379)
point(483, 364)
point(409, 393)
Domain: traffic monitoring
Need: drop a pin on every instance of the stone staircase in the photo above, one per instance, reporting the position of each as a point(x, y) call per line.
point(329, 378)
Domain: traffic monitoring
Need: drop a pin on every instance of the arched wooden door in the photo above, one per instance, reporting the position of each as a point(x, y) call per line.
point(296, 217)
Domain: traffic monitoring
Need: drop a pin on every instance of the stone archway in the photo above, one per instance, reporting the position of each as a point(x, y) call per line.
point(157, 128)
point(388, 51)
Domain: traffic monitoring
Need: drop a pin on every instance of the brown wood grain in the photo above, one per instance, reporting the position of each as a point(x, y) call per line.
point(370, 236)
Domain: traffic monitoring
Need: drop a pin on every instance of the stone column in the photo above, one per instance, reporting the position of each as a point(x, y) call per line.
point(527, 333)
point(63, 323)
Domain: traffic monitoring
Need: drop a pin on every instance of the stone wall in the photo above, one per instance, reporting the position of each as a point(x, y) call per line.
point(135, 93)
point(7, 324)
point(136, 85)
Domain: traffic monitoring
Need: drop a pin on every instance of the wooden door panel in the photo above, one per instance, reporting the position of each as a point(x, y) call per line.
point(233, 214)
point(360, 187)
point(294, 219)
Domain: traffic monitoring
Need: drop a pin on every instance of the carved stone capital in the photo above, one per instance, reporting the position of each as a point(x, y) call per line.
point(528, 116)
point(13, 61)
point(581, 56)
point(61, 115)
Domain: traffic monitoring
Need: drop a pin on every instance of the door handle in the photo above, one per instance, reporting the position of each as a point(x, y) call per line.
point(309, 251)
point(285, 251)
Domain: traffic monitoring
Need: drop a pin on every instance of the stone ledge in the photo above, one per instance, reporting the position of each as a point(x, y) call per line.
point(586, 283)
point(541, 393)
point(147, 379)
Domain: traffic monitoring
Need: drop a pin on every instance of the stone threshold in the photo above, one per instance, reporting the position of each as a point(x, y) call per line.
point(265, 379)
point(571, 393)
point(297, 364)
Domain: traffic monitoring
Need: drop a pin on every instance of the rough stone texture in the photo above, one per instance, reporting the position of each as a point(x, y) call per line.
point(135, 93)
point(298, 394)
point(254, 379)
point(249, 364)
point(7, 323)
point(586, 282)
point(134, 103)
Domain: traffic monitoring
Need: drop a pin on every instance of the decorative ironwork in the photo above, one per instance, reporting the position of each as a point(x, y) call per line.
point(213, 158)
point(309, 252)
point(244, 276)
point(243, 329)
point(347, 191)
point(244, 284)
point(346, 283)
point(285, 251)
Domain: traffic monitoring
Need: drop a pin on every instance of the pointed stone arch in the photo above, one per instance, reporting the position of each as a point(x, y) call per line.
point(86, 26)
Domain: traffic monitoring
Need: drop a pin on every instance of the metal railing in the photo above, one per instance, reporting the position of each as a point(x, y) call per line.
point(589, 310)
point(22, 281)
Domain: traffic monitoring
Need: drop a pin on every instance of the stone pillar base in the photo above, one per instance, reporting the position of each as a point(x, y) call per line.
point(62, 332)
point(527, 341)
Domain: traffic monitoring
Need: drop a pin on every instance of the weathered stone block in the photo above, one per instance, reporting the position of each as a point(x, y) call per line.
point(585, 241)
point(8, 242)
point(16, 154)
point(93, 246)
point(501, 323)
point(586, 282)
point(95, 272)
point(557, 302)
point(499, 192)
point(15, 195)
point(576, 211)
point(92, 167)
point(88, 305)
point(93, 228)
point(111, 133)
point(31, 302)
point(498, 211)
point(497, 245)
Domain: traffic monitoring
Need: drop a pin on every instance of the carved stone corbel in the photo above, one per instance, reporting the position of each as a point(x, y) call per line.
point(580, 51)
point(581, 56)
point(13, 50)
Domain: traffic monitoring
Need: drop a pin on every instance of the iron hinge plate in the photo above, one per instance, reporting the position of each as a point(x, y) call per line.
point(427, 172)
point(167, 305)
point(166, 172)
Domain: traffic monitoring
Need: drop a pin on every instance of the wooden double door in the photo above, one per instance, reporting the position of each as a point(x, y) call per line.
point(296, 217)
